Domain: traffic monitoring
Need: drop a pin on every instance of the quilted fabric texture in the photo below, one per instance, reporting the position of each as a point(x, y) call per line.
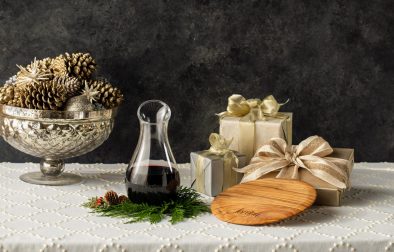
point(41, 218)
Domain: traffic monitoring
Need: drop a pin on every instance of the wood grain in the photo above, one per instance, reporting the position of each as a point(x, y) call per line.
point(263, 201)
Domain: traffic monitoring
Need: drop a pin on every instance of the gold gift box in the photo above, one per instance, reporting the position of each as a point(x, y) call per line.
point(247, 136)
point(212, 178)
point(327, 194)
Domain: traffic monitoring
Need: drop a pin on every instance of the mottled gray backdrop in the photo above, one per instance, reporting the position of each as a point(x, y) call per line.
point(333, 59)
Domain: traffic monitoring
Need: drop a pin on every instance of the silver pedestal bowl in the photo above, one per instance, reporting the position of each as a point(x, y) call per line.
point(54, 136)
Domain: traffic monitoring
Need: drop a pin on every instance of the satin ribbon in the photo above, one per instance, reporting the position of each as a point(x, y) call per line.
point(311, 154)
point(219, 147)
point(252, 109)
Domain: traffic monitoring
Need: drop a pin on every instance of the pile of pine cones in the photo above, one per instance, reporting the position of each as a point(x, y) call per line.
point(54, 83)
point(110, 198)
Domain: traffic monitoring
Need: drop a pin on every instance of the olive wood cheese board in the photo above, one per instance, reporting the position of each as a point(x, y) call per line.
point(263, 201)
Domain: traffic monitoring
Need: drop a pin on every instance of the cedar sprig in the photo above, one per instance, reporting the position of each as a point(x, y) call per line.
point(187, 204)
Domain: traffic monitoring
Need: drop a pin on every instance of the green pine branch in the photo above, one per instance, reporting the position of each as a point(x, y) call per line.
point(187, 204)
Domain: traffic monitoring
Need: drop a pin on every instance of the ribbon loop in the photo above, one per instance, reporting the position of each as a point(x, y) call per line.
point(270, 106)
point(311, 154)
point(219, 145)
point(254, 109)
point(237, 105)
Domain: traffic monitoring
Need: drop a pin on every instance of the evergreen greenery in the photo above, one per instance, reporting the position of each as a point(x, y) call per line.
point(187, 204)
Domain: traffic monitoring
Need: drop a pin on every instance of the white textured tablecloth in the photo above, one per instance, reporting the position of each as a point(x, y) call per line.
point(42, 218)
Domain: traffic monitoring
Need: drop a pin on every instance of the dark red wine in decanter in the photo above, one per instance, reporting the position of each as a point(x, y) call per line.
point(159, 184)
point(152, 175)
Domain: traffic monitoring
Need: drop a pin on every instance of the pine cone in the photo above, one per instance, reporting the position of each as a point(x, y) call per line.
point(72, 85)
point(111, 197)
point(59, 67)
point(45, 64)
point(108, 96)
point(123, 198)
point(45, 95)
point(6, 93)
point(16, 101)
point(79, 65)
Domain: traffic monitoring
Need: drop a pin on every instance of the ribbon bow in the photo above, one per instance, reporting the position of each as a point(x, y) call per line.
point(311, 154)
point(256, 108)
point(220, 146)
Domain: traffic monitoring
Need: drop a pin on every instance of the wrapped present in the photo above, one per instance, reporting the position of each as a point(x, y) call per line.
point(212, 170)
point(252, 123)
point(312, 161)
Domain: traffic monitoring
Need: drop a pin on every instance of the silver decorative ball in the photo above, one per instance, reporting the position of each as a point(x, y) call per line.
point(79, 103)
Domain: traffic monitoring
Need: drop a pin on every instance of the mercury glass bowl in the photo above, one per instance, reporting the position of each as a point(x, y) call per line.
point(54, 136)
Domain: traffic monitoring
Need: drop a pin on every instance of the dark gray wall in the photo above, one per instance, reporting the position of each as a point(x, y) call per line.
point(333, 59)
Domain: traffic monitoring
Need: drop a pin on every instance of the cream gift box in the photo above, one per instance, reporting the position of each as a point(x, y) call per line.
point(210, 173)
point(312, 161)
point(327, 194)
point(249, 135)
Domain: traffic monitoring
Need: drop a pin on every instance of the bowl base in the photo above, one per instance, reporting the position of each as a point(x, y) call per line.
point(38, 178)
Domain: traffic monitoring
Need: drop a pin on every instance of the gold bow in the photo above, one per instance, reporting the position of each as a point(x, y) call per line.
point(220, 147)
point(253, 108)
point(311, 154)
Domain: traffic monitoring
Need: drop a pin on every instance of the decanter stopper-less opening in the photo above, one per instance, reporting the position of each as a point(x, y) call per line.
point(152, 174)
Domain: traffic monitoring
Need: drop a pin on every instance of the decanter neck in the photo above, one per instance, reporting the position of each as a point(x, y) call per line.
point(157, 131)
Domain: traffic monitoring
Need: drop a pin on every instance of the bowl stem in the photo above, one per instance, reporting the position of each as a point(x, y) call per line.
point(51, 174)
point(51, 167)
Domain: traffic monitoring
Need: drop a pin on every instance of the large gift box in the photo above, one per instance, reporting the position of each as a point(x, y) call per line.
point(212, 170)
point(312, 161)
point(251, 123)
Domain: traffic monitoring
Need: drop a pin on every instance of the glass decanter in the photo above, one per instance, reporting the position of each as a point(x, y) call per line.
point(152, 174)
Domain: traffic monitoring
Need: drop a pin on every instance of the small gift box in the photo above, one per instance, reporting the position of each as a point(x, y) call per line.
point(212, 170)
point(312, 161)
point(252, 123)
